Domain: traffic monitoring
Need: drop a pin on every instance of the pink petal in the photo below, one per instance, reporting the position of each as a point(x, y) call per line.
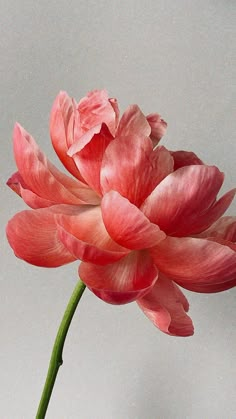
point(197, 264)
point(85, 236)
point(127, 225)
point(89, 158)
point(96, 108)
point(166, 306)
point(123, 281)
point(65, 129)
point(158, 127)
point(184, 158)
point(214, 212)
point(131, 167)
point(182, 197)
point(224, 228)
point(133, 122)
point(115, 106)
point(33, 236)
point(85, 139)
point(86, 251)
point(17, 184)
point(41, 176)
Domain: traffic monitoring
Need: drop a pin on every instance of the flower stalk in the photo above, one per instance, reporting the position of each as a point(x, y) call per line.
point(56, 356)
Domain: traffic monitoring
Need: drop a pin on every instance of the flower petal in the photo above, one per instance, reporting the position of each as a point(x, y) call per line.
point(96, 108)
point(131, 167)
point(85, 236)
point(127, 225)
point(33, 236)
point(214, 212)
point(166, 306)
point(65, 129)
point(17, 184)
point(182, 197)
point(86, 251)
point(224, 228)
point(89, 158)
point(115, 106)
point(196, 264)
point(184, 158)
point(133, 122)
point(158, 127)
point(42, 177)
point(123, 281)
point(85, 139)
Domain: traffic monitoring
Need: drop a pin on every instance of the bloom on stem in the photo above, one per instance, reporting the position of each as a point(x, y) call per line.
point(142, 219)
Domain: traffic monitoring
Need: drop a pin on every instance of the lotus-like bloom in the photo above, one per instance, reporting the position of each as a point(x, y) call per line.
point(143, 220)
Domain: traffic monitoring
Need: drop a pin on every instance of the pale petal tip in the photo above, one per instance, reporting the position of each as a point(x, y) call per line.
point(17, 127)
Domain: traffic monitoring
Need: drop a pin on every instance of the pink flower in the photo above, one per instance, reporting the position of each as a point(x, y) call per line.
point(142, 219)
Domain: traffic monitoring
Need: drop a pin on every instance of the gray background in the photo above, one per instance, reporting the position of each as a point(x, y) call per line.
point(173, 57)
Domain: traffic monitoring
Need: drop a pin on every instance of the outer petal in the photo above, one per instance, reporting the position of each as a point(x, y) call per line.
point(65, 129)
point(158, 127)
point(133, 122)
point(17, 184)
point(123, 281)
point(114, 104)
point(42, 177)
point(166, 306)
point(224, 228)
point(214, 212)
point(182, 197)
point(33, 236)
point(127, 225)
point(89, 158)
point(197, 264)
point(131, 167)
point(85, 236)
point(97, 108)
point(184, 158)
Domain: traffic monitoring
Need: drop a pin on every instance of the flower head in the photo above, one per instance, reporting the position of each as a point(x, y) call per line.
point(142, 219)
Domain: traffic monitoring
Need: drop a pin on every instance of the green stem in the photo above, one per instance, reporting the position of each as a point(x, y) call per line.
point(56, 357)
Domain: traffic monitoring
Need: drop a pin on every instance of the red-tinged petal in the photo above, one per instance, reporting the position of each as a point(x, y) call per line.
point(34, 201)
point(158, 127)
point(33, 236)
point(227, 243)
point(43, 178)
point(114, 104)
point(17, 184)
point(85, 236)
point(65, 129)
point(133, 122)
point(123, 281)
point(127, 225)
point(84, 140)
point(89, 158)
point(131, 167)
point(166, 306)
point(213, 212)
point(86, 251)
point(96, 108)
point(184, 158)
point(182, 197)
point(197, 264)
point(224, 228)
